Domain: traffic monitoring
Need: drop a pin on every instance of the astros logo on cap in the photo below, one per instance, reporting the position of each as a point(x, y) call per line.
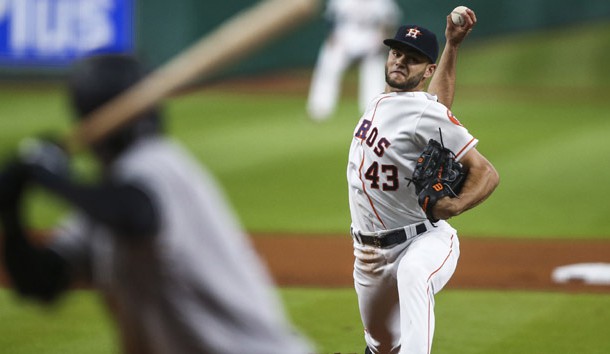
point(413, 32)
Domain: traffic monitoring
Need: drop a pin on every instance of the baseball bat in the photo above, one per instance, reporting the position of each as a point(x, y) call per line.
point(231, 41)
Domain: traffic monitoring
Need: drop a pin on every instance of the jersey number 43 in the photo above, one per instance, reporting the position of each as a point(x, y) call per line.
point(388, 172)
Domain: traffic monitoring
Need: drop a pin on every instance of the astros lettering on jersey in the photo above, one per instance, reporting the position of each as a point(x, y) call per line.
point(387, 140)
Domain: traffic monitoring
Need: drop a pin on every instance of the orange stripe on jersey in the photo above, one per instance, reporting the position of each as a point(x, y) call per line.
point(364, 189)
point(464, 148)
point(362, 164)
point(377, 105)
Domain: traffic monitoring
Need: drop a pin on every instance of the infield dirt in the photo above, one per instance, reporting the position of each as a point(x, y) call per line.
point(485, 263)
point(304, 260)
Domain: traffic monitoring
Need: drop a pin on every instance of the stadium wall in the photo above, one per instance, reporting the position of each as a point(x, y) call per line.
point(161, 28)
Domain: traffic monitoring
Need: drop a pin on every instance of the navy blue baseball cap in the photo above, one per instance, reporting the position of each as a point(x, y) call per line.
point(416, 37)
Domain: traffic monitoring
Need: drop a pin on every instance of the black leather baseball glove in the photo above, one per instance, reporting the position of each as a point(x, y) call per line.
point(436, 175)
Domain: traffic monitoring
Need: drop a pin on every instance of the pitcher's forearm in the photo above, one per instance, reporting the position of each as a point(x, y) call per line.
point(442, 83)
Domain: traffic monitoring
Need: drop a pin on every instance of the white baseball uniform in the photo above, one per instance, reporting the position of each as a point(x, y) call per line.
point(195, 287)
point(359, 27)
point(396, 285)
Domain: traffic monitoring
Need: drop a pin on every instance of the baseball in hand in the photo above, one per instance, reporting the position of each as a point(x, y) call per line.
point(456, 15)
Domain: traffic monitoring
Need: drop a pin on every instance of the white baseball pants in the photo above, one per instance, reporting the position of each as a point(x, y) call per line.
point(396, 288)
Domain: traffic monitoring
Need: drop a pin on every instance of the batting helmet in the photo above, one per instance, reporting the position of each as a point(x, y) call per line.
point(98, 79)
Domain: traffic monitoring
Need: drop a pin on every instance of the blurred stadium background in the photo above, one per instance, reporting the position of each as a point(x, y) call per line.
point(41, 37)
point(533, 84)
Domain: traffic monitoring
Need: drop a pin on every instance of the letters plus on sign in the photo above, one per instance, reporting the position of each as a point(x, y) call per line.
point(54, 32)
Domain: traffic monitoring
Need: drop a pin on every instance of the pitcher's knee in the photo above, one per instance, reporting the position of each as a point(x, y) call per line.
point(412, 275)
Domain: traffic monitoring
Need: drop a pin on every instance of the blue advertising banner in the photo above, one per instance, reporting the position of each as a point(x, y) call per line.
point(55, 32)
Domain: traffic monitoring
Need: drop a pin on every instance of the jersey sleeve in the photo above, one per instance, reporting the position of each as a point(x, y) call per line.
point(439, 123)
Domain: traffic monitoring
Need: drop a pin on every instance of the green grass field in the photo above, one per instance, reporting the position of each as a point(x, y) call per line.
point(539, 105)
point(468, 322)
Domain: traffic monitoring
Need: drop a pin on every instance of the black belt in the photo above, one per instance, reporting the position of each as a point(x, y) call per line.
point(390, 239)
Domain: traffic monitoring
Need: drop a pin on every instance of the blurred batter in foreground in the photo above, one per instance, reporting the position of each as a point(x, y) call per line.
point(154, 235)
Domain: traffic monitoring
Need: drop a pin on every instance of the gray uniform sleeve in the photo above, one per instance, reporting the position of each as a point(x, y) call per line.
point(71, 242)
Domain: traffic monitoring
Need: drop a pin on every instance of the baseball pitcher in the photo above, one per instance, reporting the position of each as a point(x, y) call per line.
point(412, 165)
